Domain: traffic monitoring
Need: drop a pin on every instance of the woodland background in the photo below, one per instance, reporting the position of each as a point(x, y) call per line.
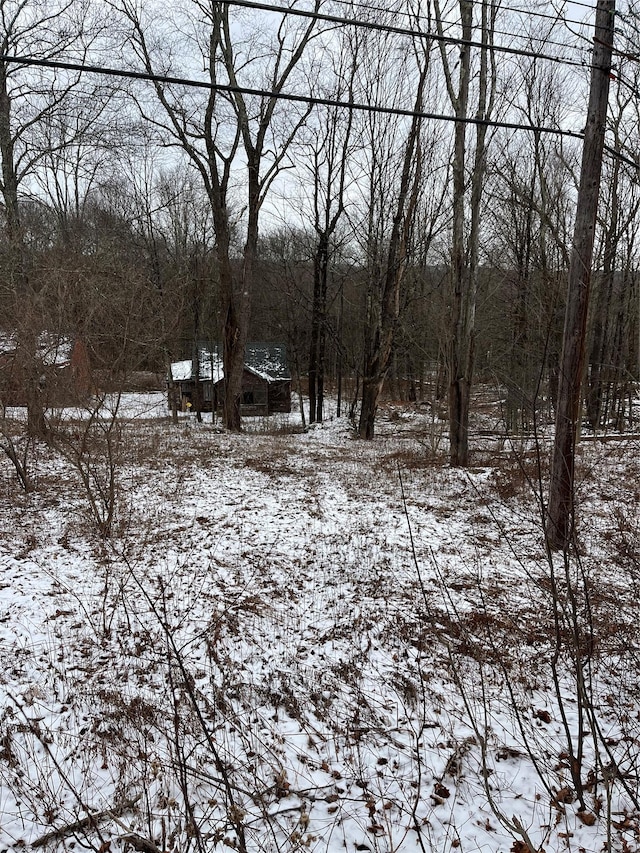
point(296, 176)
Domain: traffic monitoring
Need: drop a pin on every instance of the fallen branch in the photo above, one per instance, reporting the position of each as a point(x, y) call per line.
point(88, 822)
point(142, 845)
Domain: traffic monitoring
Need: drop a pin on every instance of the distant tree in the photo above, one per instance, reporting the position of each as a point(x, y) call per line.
point(613, 360)
point(530, 184)
point(282, 309)
point(327, 158)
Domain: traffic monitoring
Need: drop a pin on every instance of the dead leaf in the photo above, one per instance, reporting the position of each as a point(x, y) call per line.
point(545, 716)
point(565, 795)
point(441, 791)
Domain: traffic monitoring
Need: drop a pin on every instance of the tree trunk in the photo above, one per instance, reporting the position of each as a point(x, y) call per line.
point(318, 319)
point(465, 260)
point(600, 355)
point(340, 354)
point(24, 297)
point(322, 346)
point(330, 164)
point(371, 388)
point(232, 331)
point(237, 325)
point(560, 517)
point(459, 343)
point(383, 315)
point(234, 305)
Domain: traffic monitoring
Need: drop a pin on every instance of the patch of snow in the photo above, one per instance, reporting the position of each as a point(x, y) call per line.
point(323, 643)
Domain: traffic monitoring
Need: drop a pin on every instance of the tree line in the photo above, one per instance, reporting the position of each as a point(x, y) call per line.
point(381, 243)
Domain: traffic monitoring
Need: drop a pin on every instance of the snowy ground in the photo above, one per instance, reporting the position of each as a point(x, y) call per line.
point(297, 640)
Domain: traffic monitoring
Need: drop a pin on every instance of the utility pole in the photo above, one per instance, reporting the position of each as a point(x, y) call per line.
point(560, 522)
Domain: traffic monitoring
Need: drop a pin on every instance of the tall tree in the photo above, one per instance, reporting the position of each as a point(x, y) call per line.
point(328, 153)
point(31, 100)
point(226, 131)
point(560, 514)
point(392, 183)
point(465, 244)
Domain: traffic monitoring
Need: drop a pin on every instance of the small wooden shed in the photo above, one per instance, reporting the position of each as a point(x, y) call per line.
point(266, 380)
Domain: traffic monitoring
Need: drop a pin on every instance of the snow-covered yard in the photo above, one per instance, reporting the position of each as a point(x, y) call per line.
point(297, 640)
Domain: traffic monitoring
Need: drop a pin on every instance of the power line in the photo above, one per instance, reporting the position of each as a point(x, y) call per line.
point(529, 12)
point(389, 28)
point(309, 100)
point(558, 16)
point(545, 40)
point(588, 6)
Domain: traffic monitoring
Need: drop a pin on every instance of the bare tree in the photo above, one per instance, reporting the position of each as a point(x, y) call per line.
point(465, 245)
point(329, 160)
point(612, 362)
point(394, 149)
point(30, 101)
point(212, 130)
point(530, 186)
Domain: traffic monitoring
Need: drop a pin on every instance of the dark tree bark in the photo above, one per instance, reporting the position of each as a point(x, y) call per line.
point(23, 295)
point(318, 328)
point(560, 528)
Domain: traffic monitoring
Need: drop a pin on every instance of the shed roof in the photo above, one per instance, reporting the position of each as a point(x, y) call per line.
point(210, 367)
point(267, 360)
point(52, 350)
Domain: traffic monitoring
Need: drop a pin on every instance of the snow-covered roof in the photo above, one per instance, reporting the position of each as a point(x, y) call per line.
point(210, 368)
point(266, 360)
point(53, 350)
point(181, 370)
